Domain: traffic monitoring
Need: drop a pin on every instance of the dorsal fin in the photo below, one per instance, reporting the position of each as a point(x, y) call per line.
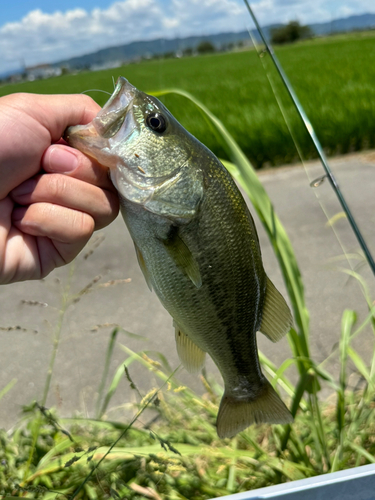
point(191, 356)
point(276, 316)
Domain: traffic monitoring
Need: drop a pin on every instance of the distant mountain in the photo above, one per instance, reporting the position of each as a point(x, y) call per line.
point(360, 22)
point(151, 48)
point(138, 49)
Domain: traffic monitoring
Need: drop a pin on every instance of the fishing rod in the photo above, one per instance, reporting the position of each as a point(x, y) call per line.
point(310, 130)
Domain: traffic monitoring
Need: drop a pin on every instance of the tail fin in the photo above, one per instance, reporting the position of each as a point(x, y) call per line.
point(236, 414)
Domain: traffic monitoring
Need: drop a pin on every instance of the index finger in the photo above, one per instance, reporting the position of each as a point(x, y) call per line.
point(57, 111)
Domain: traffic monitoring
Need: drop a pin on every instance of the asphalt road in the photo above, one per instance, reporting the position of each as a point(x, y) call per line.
point(30, 312)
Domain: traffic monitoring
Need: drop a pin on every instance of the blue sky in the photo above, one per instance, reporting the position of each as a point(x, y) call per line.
point(40, 31)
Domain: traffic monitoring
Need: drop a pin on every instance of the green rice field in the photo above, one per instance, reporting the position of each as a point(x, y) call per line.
point(333, 77)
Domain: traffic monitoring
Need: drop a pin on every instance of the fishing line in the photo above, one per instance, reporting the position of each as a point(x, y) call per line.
point(310, 130)
point(313, 183)
point(95, 90)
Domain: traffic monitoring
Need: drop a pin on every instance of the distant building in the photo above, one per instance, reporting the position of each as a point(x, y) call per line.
point(41, 71)
point(106, 65)
point(15, 78)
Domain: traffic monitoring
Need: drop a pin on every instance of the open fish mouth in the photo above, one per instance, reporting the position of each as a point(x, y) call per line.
point(93, 138)
point(111, 117)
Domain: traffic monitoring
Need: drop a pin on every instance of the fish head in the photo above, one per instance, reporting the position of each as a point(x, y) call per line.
point(146, 150)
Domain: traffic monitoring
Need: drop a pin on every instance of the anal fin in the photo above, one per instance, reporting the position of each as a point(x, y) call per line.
point(191, 356)
point(276, 316)
point(236, 414)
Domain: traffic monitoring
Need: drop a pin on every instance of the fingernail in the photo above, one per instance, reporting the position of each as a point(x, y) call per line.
point(62, 160)
point(26, 187)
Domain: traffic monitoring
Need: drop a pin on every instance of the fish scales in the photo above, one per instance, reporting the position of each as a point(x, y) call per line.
point(197, 246)
point(221, 307)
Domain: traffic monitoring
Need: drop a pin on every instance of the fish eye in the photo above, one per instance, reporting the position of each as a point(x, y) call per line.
point(156, 122)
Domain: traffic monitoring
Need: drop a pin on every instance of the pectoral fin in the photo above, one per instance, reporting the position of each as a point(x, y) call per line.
point(183, 258)
point(191, 356)
point(143, 267)
point(276, 317)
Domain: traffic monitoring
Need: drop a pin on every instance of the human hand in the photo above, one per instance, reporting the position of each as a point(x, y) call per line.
point(52, 197)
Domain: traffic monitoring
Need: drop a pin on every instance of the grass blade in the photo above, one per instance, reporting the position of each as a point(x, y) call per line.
point(347, 323)
point(360, 364)
point(7, 388)
point(362, 452)
point(120, 373)
point(103, 381)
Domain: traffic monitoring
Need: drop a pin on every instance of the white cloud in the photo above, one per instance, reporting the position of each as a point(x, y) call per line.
point(318, 11)
point(41, 37)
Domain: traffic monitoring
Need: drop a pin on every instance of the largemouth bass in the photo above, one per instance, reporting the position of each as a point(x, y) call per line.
point(197, 246)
